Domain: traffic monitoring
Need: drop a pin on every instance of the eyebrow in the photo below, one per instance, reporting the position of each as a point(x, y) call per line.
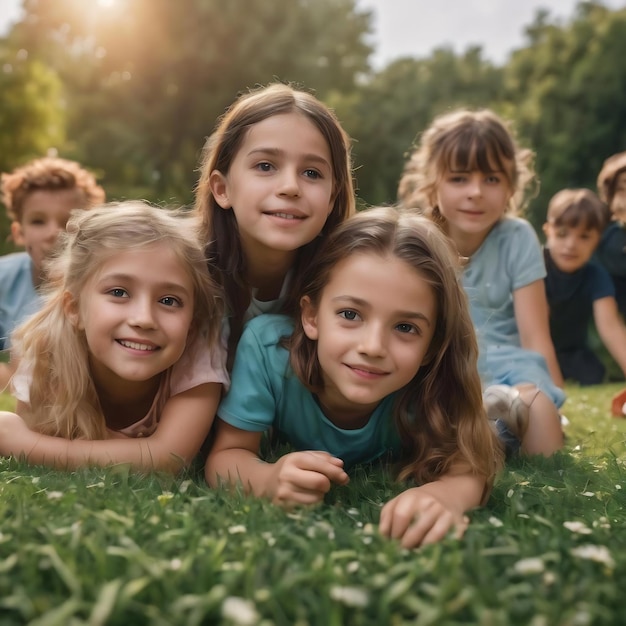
point(277, 152)
point(415, 315)
point(130, 278)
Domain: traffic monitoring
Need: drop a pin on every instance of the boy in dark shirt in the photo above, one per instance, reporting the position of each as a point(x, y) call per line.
point(579, 290)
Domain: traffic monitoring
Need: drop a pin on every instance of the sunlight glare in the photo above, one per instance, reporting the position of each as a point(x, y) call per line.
point(106, 4)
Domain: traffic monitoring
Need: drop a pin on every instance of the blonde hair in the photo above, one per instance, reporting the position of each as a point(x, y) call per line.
point(219, 227)
point(47, 174)
point(465, 141)
point(439, 414)
point(63, 398)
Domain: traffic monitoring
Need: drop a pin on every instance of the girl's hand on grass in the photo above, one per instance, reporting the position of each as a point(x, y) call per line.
point(305, 477)
point(417, 517)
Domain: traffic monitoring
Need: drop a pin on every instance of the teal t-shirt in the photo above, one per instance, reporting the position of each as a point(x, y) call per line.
point(18, 297)
point(266, 393)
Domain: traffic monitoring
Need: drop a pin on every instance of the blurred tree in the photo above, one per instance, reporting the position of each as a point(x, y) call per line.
point(31, 115)
point(387, 114)
point(567, 93)
point(146, 79)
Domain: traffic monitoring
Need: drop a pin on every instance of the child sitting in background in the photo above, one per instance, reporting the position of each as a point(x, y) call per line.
point(611, 251)
point(379, 364)
point(470, 176)
point(579, 290)
point(122, 363)
point(39, 197)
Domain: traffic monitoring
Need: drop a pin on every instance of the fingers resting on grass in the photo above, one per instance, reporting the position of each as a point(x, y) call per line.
point(417, 518)
point(305, 477)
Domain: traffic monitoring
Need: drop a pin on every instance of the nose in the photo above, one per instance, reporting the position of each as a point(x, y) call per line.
point(373, 341)
point(141, 314)
point(289, 182)
point(474, 186)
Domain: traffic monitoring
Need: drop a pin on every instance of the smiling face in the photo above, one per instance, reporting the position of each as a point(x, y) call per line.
point(279, 185)
point(44, 215)
point(571, 247)
point(471, 203)
point(373, 327)
point(136, 312)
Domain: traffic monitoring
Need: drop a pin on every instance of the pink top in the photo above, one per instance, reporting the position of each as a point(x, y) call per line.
point(199, 364)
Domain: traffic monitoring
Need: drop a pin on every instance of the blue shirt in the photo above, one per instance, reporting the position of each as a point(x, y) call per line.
point(508, 259)
point(266, 393)
point(18, 297)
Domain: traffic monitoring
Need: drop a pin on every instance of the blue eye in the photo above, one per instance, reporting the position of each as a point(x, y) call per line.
point(264, 166)
point(407, 328)
point(314, 174)
point(170, 301)
point(118, 292)
point(348, 314)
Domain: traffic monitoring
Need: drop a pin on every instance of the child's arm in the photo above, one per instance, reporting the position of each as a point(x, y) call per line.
point(184, 424)
point(532, 318)
point(611, 329)
point(426, 514)
point(295, 478)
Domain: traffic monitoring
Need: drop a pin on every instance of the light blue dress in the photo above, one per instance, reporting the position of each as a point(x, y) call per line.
point(18, 297)
point(508, 259)
point(266, 393)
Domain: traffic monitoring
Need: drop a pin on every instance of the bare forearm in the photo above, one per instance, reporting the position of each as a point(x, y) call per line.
point(65, 454)
point(459, 492)
point(240, 467)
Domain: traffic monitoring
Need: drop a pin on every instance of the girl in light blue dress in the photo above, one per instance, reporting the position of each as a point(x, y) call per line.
point(469, 175)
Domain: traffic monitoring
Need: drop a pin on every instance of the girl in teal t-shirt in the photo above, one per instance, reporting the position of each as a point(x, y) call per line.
point(382, 358)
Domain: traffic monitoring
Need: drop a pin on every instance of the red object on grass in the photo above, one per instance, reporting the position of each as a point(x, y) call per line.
point(618, 404)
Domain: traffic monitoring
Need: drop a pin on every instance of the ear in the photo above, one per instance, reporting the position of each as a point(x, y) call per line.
point(308, 316)
point(17, 234)
point(71, 310)
point(219, 189)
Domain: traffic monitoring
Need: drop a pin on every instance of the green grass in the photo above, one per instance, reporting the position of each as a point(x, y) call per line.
point(111, 547)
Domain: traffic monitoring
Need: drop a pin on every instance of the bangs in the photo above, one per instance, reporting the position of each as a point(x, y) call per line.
point(476, 148)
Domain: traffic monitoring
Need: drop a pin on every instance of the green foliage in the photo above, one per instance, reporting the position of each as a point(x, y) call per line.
point(31, 115)
point(567, 92)
point(147, 79)
point(112, 547)
point(388, 112)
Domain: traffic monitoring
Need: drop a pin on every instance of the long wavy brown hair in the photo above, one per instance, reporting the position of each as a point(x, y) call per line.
point(63, 397)
point(439, 414)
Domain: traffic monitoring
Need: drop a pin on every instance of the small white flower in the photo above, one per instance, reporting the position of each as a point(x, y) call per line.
point(54, 495)
point(353, 567)
point(591, 552)
point(184, 486)
point(531, 565)
point(577, 527)
point(353, 511)
point(35, 480)
point(618, 487)
point(175, 564)
point(240, 611)
point(350, 596)
point(494, 521)
point(588, 494)
point(237, 530)
point(509, 493)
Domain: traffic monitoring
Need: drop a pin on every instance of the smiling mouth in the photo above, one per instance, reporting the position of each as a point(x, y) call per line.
point(366, 371)
point(285, 216)
point(133, 345)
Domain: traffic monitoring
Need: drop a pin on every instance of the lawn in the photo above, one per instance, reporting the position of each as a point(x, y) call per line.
point(111, 547)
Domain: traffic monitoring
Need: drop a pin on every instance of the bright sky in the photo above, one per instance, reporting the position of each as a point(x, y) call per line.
point(415, 27)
